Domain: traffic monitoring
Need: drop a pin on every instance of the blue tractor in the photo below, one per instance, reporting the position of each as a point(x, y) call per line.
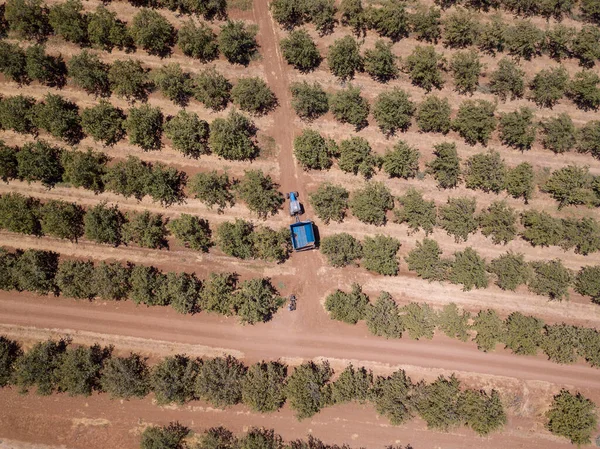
point(302, 232)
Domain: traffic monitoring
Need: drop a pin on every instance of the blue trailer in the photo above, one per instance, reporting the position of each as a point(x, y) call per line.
point(303, 235)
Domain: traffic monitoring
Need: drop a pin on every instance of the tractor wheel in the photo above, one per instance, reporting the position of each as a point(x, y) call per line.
point(296, 195)
point(287, 195)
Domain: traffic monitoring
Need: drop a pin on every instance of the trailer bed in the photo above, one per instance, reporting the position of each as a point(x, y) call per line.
point(303, 235)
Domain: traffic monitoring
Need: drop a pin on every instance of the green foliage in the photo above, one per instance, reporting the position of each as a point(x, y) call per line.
point(39, 367)
point(356, 156)
point(271, 245)
point(499, 222)
point(254, 96)
point(341, 249)
point(89, 73)
point(289, 14)
point(433, 115)
point(517, 129)
point(416, 212)
point(402, 161)
point(583, 235)
point(551, 279)
point(330, 202)
point(260, 193)
point(28, 19)
point(152, 32)
point(307, 390)
point(541, 229)
point(380, 62)
point(192, 231)
point(39, 161)
point(391, 20)
point(572, 416)
point(570, 185)
point(197, 41)
point(425, 260)
point(10, 351)
point(49, 70)
point(354, 16)
point(510, 269)
point(426, 24)
point(13, 63)
point(217, 438)
point(129, 80)
point(217, 294)
point(588, 138)
point(424, 66)
point(590, 10)
point(173, 83)
point(348, 106)
point(166, 184)
point(188, 134)
point(312, 150)
point(393, 111)
point(213, 189)
point(104, 123)
point(468, 269)
point(371, 203)
point(548, 86)
point(482, 412)
point(232, 137)
point(584, 91)
point(300, 51)
point(180, 290)
point(8, 163)
point(485, 171)
point(466, 69)
point(165, 437)
point(79, 372)
point(62, 219)
point(352, 385)
point(111, 281)
point(523, 39)
point(490, 330)
point(235, 239)
point(379, 254)
point(520, 181)
point(344, 59)
point(19, 213)
point(347, 307)
point(438, 403)
point(172, 380)
point(263, 386)
point(457, 218)
point(102, 224)
point(220, 380)
point(128, 178)
point(392, 397)
point(490, 38)
point(419, 320)
point(106, 32)
point(460, 28)
point(523, 333)
point(68, 22)
point(212, 89)
point(454, 323)
point(309, 101)
point(237, 42)
point(144, 127)
point(558, 133)
point(445, 168)
point(383, 317)
point(507, 81)
point(60, 118)
point(587, 282)
point(586, 45)
point(558, 41)
point(145, 229)
point(35, 271)
point(475, 121)
point(17, 114)
point(256, 301)
point(560, 342)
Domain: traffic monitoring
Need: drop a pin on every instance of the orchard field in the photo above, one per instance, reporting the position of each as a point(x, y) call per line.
point(448, 153)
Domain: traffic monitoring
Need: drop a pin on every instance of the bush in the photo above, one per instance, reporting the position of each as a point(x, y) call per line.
point(197, 41)
point(61, 219)
point(510, 269)
point(416, 212)
point(263, 386)
point(330, 202)
point(354, 16)
point(551, 279)
point(541, 229)
point(145, 229)
point(173, 83)
point(371, 203)
point(84, 169)
point(67, 21)
point(391, 20)
point(490, 330)
point(300, 51)
point(260, 193)
point(558, 133)
point(572, 416)
point(454, 323)
point(89, 73)
point(341, 249)
point(587, 282)
point(584, 91)
point(27, 18)
point(237, 42)
point(128, 178)
point(166, 185)
point(383, 319)
point(486, 171)
point(212, 89)
point(348, 106)
point(523, 39)
point(17, 114)
point(425, 260)
point(307, 390)
point(13, 63)
point(213, 189)
point(466, 69)
point(523, 333)
point(517, 129)
point(570, 185)
point(482, 412)
point(235, 239)
point(586, 46)
point(424, 66)
point(380, 62)
point(558, 41)
point(490, 38)
point(475, 121)
point(104, 123)
point(256, 301)
point(73, 279)
point(393, 111)
point(460, 28)
point(426, 24)
point(391, 397)
point(129, 80)
point(102, 224)
point(111, 281)
point(457, 218)
point(438, 404)
point(39, 161)
point(312, 150)
point(379, 255)
point(309, 101)
point(445, 168)
point(39, 367)
point(548, 86)
point(144, 127)
point(60, 118)
point(356, 156)
point(468, 269)
point(105, 31)
point(352, 385)
point(152, 32)
point(220, 380)
point(418, 320)
point(254, 96)
point(232, 137)
point(172, 380)
point(499, 222)
point(347, 307)
point(48, 70)
point(560, 342)
point(20, 214)
point(508, 80)
point(433, 115)
point(165, 437)
point(188, 134)
point(402, 161)
point(520, 182)
point(588, 138)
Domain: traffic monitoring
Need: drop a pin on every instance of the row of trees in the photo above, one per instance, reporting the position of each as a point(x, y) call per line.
point(521, 334)
point(149, 30)
point(378, 254)
point(45, 272)
point(53, 366)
